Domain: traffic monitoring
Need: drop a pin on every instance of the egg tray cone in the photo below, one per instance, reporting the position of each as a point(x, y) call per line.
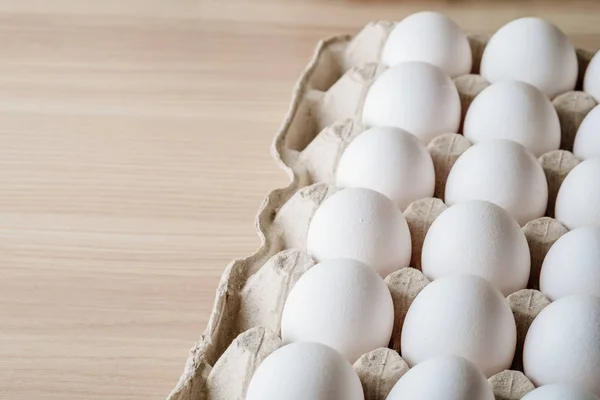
point(324, 117)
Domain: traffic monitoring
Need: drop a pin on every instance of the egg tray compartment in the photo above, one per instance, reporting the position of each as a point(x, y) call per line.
point(323, 118)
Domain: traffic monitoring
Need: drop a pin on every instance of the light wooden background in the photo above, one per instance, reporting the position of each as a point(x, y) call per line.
point(134, 153)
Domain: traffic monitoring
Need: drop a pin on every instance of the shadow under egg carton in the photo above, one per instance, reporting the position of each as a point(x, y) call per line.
point(323, 118)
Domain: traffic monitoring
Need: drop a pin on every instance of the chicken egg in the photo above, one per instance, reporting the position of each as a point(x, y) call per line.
point(591, 79)
point(461, 315)
point(480, 238)
point(572, 265)
point(587, 139)
point(502, 172)
point(363, 225)
point(559, 391)
point(445, 377)
point(503, 111)
point(301, 371)
point(415, 96)
point(432, 38)
point(563, 344)
point(534, 51)
point(390, 161)
point(578, 198)
point(341, 303)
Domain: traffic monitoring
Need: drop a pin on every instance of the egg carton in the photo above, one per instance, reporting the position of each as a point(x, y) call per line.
point(324, 117)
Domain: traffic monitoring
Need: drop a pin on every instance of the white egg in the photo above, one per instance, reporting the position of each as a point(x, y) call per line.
point(432, 38)
point(502, 172)
point(390, 161)
point(572, 265)
point(342, 303)
point(462, 315)
point(503, 111)
point(446, 377)
point(363, 225)
point(414, 96)
point(480, 238)
point(534, 51)
point(563, 344)
point(587, 139)
point(559, 391)
point(302, 371)
point(578, 198)
point(591, 79)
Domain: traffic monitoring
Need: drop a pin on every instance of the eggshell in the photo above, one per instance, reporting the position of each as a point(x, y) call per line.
point(563, 344)
point(578, 199)
point(502, 172)
point(390, 161)
point(432, 38)
point(301, 371)
point(446, 377)
point(587, 139)
point(591, 79)
point(342, 303)
point(503, 111)
point(572, 265)
point(559, 391)
point(414, 96)
point(363, 225)
point(480, 238)
point(462, 315)
point(534, 51)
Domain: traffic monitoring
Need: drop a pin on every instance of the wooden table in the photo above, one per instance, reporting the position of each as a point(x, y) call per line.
point(134, 153)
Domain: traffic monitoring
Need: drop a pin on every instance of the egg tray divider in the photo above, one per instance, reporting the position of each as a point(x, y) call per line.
point(324, 116)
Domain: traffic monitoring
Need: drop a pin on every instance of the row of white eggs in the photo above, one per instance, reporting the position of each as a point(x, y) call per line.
point(426, 50)
point(314, 371)
point(505, 110)
point(472, 237)
point(530, 50)
point(345, 305)
point(452, 320)
point(392, 162)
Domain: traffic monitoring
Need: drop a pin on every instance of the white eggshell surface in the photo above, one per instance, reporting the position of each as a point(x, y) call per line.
point(587, 139)
point(445, 377)
point(563, 344)
point(415, 96)
point(502, 172)
point(572, 265)
point(301, 371)
point(461, 315)
point(390, 161)
point(534, 51)
point(504, 110)
point(578, 199)
point(432, 38)
point(342, 303)
point(363, 225)
point(480, 238)
point(591, 79)
point(559, 391)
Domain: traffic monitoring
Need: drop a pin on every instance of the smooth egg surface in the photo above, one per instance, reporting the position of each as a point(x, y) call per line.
point(342, 303)
point(301, 371)
point(461, 315)
point(563, 344)
point(390, 161)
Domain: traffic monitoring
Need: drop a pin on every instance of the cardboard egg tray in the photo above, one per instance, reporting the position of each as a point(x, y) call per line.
point(325, 115)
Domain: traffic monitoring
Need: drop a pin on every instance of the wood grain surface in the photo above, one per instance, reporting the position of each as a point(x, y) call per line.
point(134, 153)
